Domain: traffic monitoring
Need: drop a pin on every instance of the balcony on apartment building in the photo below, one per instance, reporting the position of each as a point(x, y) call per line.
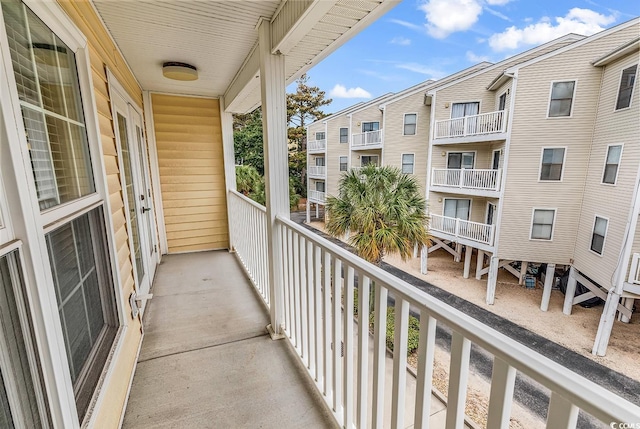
point(367, 140)
point(490, 126)
point(466, 232)
point(633, 284)
point(316, 196)
point(317, 171)
point(477, 182)
point(317, 146)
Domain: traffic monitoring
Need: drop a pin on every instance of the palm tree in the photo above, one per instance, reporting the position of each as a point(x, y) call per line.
point(383, 211)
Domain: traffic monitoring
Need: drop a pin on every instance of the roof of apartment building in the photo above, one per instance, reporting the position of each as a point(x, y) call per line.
point(350, 109)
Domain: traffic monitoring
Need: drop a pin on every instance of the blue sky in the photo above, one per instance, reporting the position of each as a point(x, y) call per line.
point(429, 39)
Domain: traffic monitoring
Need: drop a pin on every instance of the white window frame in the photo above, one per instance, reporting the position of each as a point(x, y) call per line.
point(340, 135)
point(553, 225)
point(404, 123)
point(368, 122)
point(377, 164)
point(505, 93)
point(346, 162)
point(459, 198)
point(633, 90)
point(475, 157)
point(604, 165)
point(564, 163)
point(450, 108)
point(604, 239)
point(573, 99)
point(320, 132)
point(413, 163)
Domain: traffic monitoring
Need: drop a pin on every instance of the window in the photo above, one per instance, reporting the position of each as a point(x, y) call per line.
point(502, 101)
point(458, 160)
point(614, 153)
point(552, 162)
point(320, 161)
point(320, 186)
point(368, 160)
point(599, 233)
point(86, 304)
point(410, 121)
point(370, 126)
point(344, 135)
point(561, 98)
point(407, 163)
point(625, 92)
point(460, 110)
point(343, 163)
point(49, 92)
point(457, 208)
point(542, 225)
point(320, 136)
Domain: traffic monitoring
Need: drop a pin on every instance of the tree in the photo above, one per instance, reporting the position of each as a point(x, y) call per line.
point(383, 210)
point(250, 183)
point(297, 172)
point(303, 108)
point(247, 139)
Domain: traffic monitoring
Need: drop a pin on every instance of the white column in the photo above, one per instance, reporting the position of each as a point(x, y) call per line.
point(523, 271)
point(415, 250)
point(570, 292)
point(467, 261)
point(424, 252)
point(457, 258)
point(317, 211)
point(276, 166)
point(226, 120)
point(628, 304)
point(548, 284)
point(493, 279)
point(479, 264)
point(308, 211)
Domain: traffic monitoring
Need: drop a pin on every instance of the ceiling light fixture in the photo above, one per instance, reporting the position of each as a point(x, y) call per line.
point(179, 71)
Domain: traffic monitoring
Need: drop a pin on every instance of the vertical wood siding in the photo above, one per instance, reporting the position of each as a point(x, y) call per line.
point(189, 143)
point(103, 54)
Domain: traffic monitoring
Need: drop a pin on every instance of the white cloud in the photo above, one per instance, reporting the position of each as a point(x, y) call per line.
point(581, 21)
point(340, 91)
point(498, 2)
point(422, 69)
point(409, 25)
point(402, 41)
point(448, 16)
point(474, 58)
point(498, 14)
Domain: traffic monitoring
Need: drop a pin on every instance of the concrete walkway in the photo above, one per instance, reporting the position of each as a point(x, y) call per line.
point(206, 360)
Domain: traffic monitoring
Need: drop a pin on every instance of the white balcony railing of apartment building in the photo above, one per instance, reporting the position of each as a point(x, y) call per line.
point(317, 170)
point(317, 271)
point(369, 138)
point(317, 146)
point(634, 274)
point(317, 196)
point(485, 123)
point(460, 228)
point(486, 180)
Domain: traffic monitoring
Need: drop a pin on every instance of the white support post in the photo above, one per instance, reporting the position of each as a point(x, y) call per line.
point(479, 264)
point(570, 292)
point(276, 166)
point(493, 279)
point(467, 261)
point(415, 250)
point(308, 212)
point(606, 323)
point(628, 304)
point(317, 211)
point(548, 284)
point(229, 160)
point(458, 256)
point(523, 272)
point(424, 252)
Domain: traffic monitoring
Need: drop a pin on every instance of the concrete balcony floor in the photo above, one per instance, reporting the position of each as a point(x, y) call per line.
point(206, 359)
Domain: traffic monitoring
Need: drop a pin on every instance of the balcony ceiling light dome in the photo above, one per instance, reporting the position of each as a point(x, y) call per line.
point(179, 71)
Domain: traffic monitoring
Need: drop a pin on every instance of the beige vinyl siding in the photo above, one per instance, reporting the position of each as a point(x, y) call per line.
point(335, 150)
point(532, 131)
point(610, 201)
point(478, 205)
point(369, 114)
point(189, 144)
point(396, 144)
point(104, 55)
point(504, 88)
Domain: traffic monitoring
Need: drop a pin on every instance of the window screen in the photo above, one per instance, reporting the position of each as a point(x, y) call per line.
point(343, 163)
point(457, 208)
point(320, 136)
point(542, 228)
point(344, 135)
point(410, 121)
point(614, 153)
point(625, 92)
point(552, 161)
point(407, 163)
point(561, 98)
point(599, 232)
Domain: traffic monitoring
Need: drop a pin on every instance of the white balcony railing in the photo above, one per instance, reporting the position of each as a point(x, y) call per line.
point(634, 274)
point(316, 146)
point(369, 138)
point(318, 196)
point(460, 228)
point(317, 170)
point(486, 180)
point(318, 297)
point(485, 123)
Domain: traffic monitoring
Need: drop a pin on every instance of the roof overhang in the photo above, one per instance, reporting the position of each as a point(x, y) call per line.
point(621, 51)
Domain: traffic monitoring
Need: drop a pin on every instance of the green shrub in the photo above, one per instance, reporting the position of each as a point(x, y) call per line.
point(414, 330)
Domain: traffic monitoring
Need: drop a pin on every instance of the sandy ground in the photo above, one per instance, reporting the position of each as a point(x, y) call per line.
point(522, 306)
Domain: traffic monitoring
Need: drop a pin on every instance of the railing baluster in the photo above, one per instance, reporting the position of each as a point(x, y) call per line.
point(296, 292)
point(363, 349)
point(287, 283)
point(426, 349)
point(328, 367)
point(317, 288)
point(311, 310)
point(400, 339)
point(503, 379)
point(562, 413)
point(458, 377)
point(337, 338)
point(348, 374)
point(303, 301)
point(292, 304)
point(379, 354)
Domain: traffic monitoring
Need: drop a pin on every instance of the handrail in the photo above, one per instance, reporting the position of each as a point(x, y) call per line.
point(634, 273)
point(462, 228)
point(481, 179)
point(367, 138)
point(483, 123)
point(575, 389)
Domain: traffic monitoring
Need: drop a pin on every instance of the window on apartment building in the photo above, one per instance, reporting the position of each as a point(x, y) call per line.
point(48, 88)
point(343, 163)
point(457, 208)
point(407, 163)
point(459, 110)
point(561, 98)
point(614, 153)
point(344, 135)
point(502, 101)
point(320, 186)
point(320, 135)
point(599, 233)
point(458, 160)
point(370, 126)
point(320, 161)
point(542, 224)
point(552, 163)
point(368, 160)
point(625, 92)
point(410, 122)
